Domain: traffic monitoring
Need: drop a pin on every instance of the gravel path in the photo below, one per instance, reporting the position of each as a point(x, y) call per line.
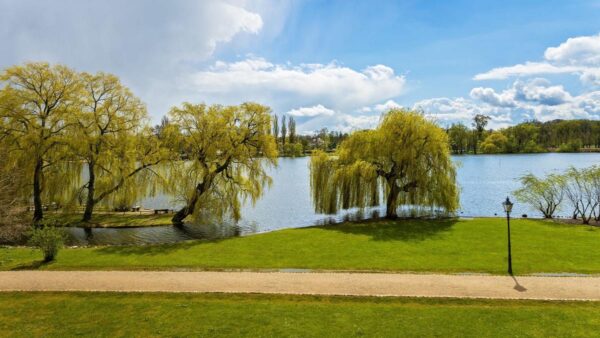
point(317, 283)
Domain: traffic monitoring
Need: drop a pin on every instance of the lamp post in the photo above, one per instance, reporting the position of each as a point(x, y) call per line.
point(508, 208)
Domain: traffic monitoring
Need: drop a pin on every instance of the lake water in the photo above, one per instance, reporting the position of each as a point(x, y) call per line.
point(484, 180)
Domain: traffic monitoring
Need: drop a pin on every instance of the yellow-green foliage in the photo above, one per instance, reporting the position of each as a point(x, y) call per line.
point(406, 157)
point(228, 148)
point(495, 143)
point(60, 121)
point(38, 103)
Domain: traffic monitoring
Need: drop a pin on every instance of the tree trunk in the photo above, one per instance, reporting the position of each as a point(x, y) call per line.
point(90, 202)
point(38, 212)
point(391, 211)
point(184, 212)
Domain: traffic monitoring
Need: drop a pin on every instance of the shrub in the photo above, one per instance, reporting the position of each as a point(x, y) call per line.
point(293, 149)
point(49, 240)
point(495, 143)
point(571, 147)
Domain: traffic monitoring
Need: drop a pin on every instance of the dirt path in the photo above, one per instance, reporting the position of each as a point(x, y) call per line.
point(357, 284)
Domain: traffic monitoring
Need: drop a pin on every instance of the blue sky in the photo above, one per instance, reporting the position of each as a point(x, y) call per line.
point(334, 64)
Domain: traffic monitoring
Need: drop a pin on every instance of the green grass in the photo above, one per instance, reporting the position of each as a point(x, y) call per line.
point(449, 246)
point(219, 315)
point(109, 220)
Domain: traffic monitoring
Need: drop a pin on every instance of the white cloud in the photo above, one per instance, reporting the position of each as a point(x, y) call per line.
point(460, 110)
point(582, 50)
point(540, 91)
point(591, 77)
point(526, 69)
point(488, 95)
point(537, 98)
point(319, 95)
point(389, 104)
point(313, 111)
point(340, 122)
point(578, 56)
point(533, 99)
point(146, 43)
point(287, 87)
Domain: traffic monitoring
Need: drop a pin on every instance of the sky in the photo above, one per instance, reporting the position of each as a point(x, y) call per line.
point(329, 64)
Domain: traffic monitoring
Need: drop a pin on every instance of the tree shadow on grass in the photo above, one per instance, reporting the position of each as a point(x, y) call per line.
point(34, 265)
point(395, 230)
point(152, 249)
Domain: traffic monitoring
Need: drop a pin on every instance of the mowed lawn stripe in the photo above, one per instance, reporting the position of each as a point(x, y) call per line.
point(214, 315)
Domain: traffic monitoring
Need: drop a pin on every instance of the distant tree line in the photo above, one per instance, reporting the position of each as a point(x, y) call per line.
point(525, 137)
point(291, 144)
point(578, 187)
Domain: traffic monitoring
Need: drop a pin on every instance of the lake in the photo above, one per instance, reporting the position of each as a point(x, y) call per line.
point(484, 180)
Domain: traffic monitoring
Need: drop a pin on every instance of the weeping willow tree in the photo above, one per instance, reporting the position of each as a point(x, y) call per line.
point(113, 140)
point(229, 148)
point(38, 103)
point(406, 159)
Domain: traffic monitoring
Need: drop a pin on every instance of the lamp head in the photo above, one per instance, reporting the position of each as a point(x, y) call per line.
point(507, 205)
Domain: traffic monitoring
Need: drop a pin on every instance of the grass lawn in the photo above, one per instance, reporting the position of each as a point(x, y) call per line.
point(216, 315)
point(477, 245)
point(109, 220)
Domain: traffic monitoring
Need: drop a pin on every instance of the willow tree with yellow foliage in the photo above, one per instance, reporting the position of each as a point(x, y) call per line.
point(406, 159)
point(229, 149)
point(38, 103)
point(114, 141)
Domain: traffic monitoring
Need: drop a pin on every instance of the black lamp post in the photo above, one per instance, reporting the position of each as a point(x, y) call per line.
point(508, 208)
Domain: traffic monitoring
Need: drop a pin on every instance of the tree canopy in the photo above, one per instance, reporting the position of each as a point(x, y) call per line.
point(113, 139)
point(56, 120)
point(543, 194)
point(406, 159)
point(37, 105)
point(228, 148)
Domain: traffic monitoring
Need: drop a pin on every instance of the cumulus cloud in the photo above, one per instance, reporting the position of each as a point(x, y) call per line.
point(286, 86)
point(578, 55)
point(340, 121)
point(534, 99)
point(582, 50)
point(489, 95)
point(389, 104)
point(591, 77)
point(540, 91)
point(148, 44)
point(317, 110)
point(460, 110)
point(320, 95)
point(526, 69)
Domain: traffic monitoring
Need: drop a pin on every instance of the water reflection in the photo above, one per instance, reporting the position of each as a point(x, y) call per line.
point(209, 231)
point(154, 235)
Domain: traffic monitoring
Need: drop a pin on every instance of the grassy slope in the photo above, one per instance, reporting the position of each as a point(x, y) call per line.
point(444, 246)
point(214, 315)
point(110, 220)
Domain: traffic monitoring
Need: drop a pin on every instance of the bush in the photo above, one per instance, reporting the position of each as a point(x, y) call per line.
point(293, 150)
point(49, 240)
point(571, 147)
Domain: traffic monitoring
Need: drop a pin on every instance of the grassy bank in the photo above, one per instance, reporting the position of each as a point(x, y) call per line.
point(110, 220)
point(214, 315)
point(477, 245)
